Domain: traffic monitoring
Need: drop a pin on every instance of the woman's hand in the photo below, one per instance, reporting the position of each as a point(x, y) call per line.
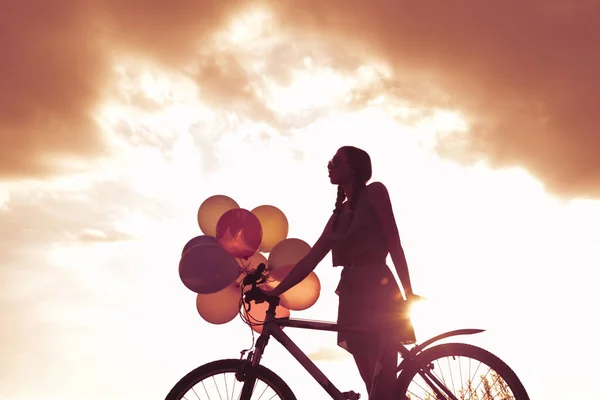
point(414, 298)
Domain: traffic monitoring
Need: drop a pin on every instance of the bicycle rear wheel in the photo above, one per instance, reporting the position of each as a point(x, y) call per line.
point(219, 380)
point(459, 371)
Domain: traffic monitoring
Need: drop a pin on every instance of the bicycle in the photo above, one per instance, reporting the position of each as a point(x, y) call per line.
point(421, 374)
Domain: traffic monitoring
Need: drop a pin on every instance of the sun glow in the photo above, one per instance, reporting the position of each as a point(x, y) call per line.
point(248, 26)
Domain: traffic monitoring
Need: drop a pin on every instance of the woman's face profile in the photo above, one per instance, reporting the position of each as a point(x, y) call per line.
point(339, 168)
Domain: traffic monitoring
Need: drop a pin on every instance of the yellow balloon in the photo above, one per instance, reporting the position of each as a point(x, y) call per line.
point(287, 253)
point(301, 296)
point(220, 307)
point(211, 210)
point(275, 226)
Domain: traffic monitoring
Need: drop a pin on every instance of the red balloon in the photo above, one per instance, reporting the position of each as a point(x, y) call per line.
point(239, 232)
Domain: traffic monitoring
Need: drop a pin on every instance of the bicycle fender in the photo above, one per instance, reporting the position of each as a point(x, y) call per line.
point(419, 348)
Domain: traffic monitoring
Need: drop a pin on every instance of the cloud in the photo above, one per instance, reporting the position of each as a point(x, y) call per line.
point(523, 73)
point(98, 236)
point(57, 66)
point(51, 75)
point(64, 275)
point(328, 354)
point(42, 219)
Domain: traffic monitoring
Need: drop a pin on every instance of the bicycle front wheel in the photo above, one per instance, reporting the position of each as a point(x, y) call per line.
point(459, 371)
point(231, 379)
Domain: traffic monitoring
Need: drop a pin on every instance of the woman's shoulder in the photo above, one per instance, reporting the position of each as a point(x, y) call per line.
point(377, 193)
point(376, 189)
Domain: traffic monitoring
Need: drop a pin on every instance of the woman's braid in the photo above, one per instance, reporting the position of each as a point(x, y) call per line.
point(339, 201)
point(357, 189)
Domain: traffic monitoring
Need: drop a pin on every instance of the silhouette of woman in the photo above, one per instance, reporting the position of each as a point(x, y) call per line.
point(360, 234)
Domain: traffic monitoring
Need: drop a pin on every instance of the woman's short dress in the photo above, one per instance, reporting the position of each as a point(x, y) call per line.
point(369, 296)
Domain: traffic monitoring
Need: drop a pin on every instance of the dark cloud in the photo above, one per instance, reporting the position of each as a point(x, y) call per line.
point(52, 72)
point(524, 73)
point(56, 68)
point(226, 84)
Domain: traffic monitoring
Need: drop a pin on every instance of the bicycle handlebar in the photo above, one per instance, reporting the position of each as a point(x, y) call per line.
point(255, 276)
point(255, 294)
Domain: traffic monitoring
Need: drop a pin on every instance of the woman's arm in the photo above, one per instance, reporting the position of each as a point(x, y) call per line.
point(380, 200)
point(308, 263)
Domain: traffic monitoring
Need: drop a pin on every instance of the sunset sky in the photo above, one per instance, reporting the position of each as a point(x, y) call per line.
point(118, 118)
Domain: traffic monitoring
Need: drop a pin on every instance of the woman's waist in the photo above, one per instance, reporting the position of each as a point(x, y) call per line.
point(359, 259)
point(365, 275)
point(359, 264)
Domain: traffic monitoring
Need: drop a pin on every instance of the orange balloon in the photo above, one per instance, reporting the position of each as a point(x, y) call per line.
point(220, 307)
point(258, 314)
point(299, 297)
point(287, 252)
point(211, 210)
point(275, 226)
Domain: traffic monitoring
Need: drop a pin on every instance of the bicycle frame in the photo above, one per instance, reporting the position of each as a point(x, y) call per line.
point(272, 327)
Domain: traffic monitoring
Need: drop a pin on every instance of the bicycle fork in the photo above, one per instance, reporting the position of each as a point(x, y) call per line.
point(246, 372)
point(435, 384)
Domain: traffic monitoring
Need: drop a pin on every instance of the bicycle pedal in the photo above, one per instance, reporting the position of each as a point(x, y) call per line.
point(351, 395)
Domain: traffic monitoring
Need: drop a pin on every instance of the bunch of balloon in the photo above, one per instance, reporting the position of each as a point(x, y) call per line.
point(234, 242)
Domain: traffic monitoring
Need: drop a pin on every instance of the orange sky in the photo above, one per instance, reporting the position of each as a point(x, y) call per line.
point(117, 119)
point(524, 73)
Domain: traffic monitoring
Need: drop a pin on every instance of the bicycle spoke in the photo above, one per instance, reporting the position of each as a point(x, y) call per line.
point(458, 377)
point(233, 389)
point(451, 377)
point(422, 388)
point(460, 369)
point(482, 379)
point(227, 388)
point(198, 397)
point(205, 391)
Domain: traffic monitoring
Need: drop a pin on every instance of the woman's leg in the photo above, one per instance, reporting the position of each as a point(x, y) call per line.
point(386, 378)
point(366, 365)
point(370, 358)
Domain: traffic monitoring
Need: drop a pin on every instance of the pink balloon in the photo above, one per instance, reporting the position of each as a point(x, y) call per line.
point(208, 268)
point(239, 232)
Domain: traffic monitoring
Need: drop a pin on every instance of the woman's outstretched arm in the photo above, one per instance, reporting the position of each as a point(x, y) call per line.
point(380, 200)
point(308, 263)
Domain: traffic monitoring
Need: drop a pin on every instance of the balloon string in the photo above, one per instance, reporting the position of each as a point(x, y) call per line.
point(243, 317)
